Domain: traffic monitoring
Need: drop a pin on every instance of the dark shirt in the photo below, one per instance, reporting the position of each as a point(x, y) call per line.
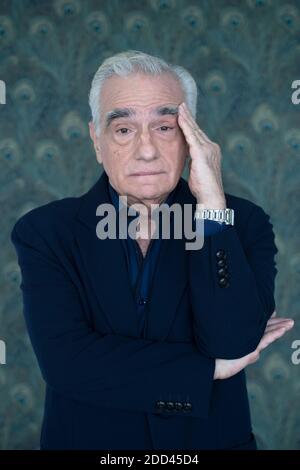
point(141, 269)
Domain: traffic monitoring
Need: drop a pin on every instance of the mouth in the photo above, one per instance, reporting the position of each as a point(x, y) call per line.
point(147, 173)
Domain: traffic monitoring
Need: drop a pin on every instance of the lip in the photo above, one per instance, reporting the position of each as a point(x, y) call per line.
point(147, 173)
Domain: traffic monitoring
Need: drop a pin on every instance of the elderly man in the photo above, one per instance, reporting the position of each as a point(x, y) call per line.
point(142, 343)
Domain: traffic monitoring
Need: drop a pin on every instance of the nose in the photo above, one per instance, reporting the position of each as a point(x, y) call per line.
point(146, 150)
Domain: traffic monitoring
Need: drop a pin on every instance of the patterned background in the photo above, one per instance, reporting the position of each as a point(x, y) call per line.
point(244, 56)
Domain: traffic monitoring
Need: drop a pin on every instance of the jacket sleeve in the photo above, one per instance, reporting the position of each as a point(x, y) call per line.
point(232, 288)
point(107, 370)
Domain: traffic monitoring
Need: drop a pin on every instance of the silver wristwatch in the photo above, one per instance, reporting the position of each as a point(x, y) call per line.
point(218, 215)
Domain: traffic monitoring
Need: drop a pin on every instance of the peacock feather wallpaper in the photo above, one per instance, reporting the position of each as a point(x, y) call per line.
point(245, 58)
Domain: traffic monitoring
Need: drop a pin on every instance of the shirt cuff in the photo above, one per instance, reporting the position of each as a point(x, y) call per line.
point(211, 227)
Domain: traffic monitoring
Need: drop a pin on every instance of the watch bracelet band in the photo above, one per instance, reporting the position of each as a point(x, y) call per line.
point(218, 215)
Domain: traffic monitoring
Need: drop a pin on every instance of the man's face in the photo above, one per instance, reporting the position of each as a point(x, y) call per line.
point(143, 153)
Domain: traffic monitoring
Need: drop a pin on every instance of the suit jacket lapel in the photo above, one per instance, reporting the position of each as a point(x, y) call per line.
point(105, 264)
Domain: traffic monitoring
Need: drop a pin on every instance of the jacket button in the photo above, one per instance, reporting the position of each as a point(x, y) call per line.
point(142, 302)
point(220, 254)
point(187, 406)
point(223, 282)
point(223, 271)
point(178, 405)
point(160, 405)
point(170, 405)
point(221, 263)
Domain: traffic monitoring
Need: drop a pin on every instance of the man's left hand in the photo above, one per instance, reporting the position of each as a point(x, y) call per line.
point(205, 180)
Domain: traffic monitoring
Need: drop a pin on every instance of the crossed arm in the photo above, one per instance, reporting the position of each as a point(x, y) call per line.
point(235, 323)
point(117, 371)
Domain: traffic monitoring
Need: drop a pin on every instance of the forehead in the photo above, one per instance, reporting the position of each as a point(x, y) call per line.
point(139, 94)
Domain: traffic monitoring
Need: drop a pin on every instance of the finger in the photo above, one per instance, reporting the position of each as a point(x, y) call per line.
point(191, 136)
point(285, 324)
point(186, 115)
point(183, 108)
point(193, 126)
point(269, 338)
point(196, 129)
point(274, 321)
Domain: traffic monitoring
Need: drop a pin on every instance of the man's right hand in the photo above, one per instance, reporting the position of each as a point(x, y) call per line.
point(276, 327)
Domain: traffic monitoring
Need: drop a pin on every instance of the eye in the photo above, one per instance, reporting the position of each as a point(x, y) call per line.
point(122, 129)
point(166, 127)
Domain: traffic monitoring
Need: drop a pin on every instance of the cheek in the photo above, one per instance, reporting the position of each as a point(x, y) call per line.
point(175, 150)
point(115, 155)
point(176, 141)
point(176, 163)
point(120, 161)
point(116, 161)
point(121, 150)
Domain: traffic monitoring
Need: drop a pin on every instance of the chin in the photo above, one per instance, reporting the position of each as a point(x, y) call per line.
point(149, 191)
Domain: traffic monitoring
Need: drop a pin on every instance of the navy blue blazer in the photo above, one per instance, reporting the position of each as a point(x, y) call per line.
point(107, 385)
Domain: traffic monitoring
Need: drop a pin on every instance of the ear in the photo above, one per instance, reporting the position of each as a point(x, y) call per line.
point(95, 140)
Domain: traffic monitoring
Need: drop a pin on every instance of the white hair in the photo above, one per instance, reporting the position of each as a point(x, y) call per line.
point(131, 61)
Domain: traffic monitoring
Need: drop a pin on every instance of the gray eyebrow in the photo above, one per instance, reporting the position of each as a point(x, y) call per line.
point(118, 113)
point(129, 112)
